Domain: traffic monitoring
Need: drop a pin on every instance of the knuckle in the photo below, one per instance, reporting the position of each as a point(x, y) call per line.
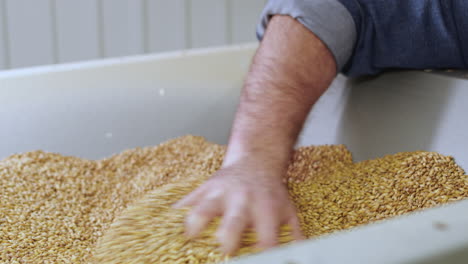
point(205, 211)
point(225, 234)
point(234, 220)
point(240, 200)
point(214, 194)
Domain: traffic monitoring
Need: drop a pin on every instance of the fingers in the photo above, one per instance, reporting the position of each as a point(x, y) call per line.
point(201, 215)
point(233, 224)
point(267, 222)
point(264, 211)
point(296, 228)
point(191, 199)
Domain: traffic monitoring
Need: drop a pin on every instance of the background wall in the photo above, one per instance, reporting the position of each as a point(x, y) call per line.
point(36, 32)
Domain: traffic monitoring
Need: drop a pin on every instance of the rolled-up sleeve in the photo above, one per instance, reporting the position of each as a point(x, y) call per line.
point(369, 36)
point(329, 20)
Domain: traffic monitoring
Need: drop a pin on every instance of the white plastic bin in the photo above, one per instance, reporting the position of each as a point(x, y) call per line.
point(95, 109)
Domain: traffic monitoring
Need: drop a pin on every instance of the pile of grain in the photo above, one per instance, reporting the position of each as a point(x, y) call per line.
point(337, 194)
point(53, 209)
point(330, 192)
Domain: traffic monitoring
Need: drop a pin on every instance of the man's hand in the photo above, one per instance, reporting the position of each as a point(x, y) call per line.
point(290, 71)
point(247, 194)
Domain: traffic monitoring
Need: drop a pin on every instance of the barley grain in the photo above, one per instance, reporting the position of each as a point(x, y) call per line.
point(331, 195)
point(54, 209)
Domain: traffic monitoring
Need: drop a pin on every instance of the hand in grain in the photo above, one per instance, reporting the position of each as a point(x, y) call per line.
point(246, 195)
point(278, 94)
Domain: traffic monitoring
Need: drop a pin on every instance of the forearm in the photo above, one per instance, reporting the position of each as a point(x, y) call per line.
point(290, 71)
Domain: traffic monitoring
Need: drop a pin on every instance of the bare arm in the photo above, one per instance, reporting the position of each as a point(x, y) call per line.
point(290, 71)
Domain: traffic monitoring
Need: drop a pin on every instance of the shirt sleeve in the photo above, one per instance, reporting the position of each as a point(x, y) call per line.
point(407, 34)
point(384, 34)
point(329, 20)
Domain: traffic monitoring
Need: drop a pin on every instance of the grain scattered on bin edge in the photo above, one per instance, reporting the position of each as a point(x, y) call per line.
point(58, 207)
point(330, 192)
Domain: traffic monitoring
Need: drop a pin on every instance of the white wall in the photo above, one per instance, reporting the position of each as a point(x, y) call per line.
point(36, 32)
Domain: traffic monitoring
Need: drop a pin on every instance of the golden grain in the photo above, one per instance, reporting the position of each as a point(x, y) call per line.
point(54, 209)
point(331, 195)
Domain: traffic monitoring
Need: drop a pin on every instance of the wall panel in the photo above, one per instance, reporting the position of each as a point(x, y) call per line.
point(78, 30)
point(3, 36)
point(166, 25)
point(245, 15)
point(122, 22)
point(30, 32)
point(209, 23)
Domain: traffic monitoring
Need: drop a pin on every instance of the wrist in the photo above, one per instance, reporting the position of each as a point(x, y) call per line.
point(272, 156)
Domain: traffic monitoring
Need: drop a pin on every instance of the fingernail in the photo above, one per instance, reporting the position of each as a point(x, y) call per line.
point(223, 247)
point(194, 224)
point(224, 251)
